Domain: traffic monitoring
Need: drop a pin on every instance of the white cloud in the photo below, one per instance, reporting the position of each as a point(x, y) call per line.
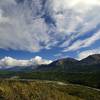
point(7, 2)
point(22, 31)
point(57, 5)
point(86, 53)
point(7, 62)
point(81, 3)
point(22, 26)
point(3, 19)
point(84, 43)
point(39, 60)
point(74, 18)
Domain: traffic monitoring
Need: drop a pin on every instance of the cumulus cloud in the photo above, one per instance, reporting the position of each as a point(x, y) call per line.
point(32, 25)
point(86, 53)
point(7, 62)
point(39, 60)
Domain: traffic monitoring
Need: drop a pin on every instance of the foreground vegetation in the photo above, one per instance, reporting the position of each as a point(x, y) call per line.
point(45, 90)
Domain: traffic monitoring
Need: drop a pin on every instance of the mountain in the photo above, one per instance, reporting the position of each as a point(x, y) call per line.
point(64, 61)
point(89, 64)
point(20, 68)
point(92, 59)
point(57, 65)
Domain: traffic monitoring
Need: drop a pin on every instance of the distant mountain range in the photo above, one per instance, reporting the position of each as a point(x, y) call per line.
point(89, 64)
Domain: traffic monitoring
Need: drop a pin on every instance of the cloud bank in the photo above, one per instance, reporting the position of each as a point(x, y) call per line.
point(11, 62)
point(33, 25)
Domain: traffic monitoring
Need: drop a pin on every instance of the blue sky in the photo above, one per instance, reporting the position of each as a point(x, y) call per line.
point(50, 29)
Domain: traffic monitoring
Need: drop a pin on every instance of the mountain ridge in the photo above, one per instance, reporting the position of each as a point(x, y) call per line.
point(90, 63)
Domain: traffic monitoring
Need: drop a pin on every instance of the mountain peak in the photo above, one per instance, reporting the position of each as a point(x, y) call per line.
point(64, 61)
point(92, 59)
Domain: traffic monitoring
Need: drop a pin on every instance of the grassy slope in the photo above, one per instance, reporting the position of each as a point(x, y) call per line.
point(42, 90)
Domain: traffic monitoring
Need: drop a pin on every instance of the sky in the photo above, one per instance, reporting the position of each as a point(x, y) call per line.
point(48, 29)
